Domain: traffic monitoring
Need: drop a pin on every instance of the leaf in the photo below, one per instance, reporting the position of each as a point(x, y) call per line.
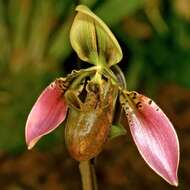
point(113, 11)
point(60, 47)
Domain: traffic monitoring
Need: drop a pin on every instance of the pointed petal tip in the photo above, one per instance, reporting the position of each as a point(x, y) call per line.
point(175, 183)
point(172, 180)
point(29, 147)
point(32, 143)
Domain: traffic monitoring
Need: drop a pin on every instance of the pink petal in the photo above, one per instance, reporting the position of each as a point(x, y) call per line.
point(154, 136)
point(47, 113)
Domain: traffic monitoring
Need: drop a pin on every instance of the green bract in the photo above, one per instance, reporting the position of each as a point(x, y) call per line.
point(92, 39)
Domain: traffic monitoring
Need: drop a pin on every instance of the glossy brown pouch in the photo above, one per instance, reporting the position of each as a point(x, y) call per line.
point(88, 123)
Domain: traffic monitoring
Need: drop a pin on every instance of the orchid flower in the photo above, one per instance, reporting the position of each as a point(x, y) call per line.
point(89, 96)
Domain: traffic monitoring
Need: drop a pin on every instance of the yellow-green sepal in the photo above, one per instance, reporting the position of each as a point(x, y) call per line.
point(92, 39)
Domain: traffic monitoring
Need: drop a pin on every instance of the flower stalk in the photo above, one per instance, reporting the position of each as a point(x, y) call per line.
point(88, 175)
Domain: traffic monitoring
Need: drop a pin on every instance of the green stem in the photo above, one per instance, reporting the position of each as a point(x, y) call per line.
point(88, 175)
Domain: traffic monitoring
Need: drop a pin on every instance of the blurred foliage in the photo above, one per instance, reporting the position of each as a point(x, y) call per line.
point(35, 48)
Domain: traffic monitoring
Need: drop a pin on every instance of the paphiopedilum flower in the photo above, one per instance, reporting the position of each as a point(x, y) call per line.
point(90, 96)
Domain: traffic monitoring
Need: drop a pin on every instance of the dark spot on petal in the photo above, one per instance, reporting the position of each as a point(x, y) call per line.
point(52, 85)
point(61, 83)
point(133, 95)
point(157, 109)
point(123, 104)
point(126, 107)
point(138, 105)
point(150, 102)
